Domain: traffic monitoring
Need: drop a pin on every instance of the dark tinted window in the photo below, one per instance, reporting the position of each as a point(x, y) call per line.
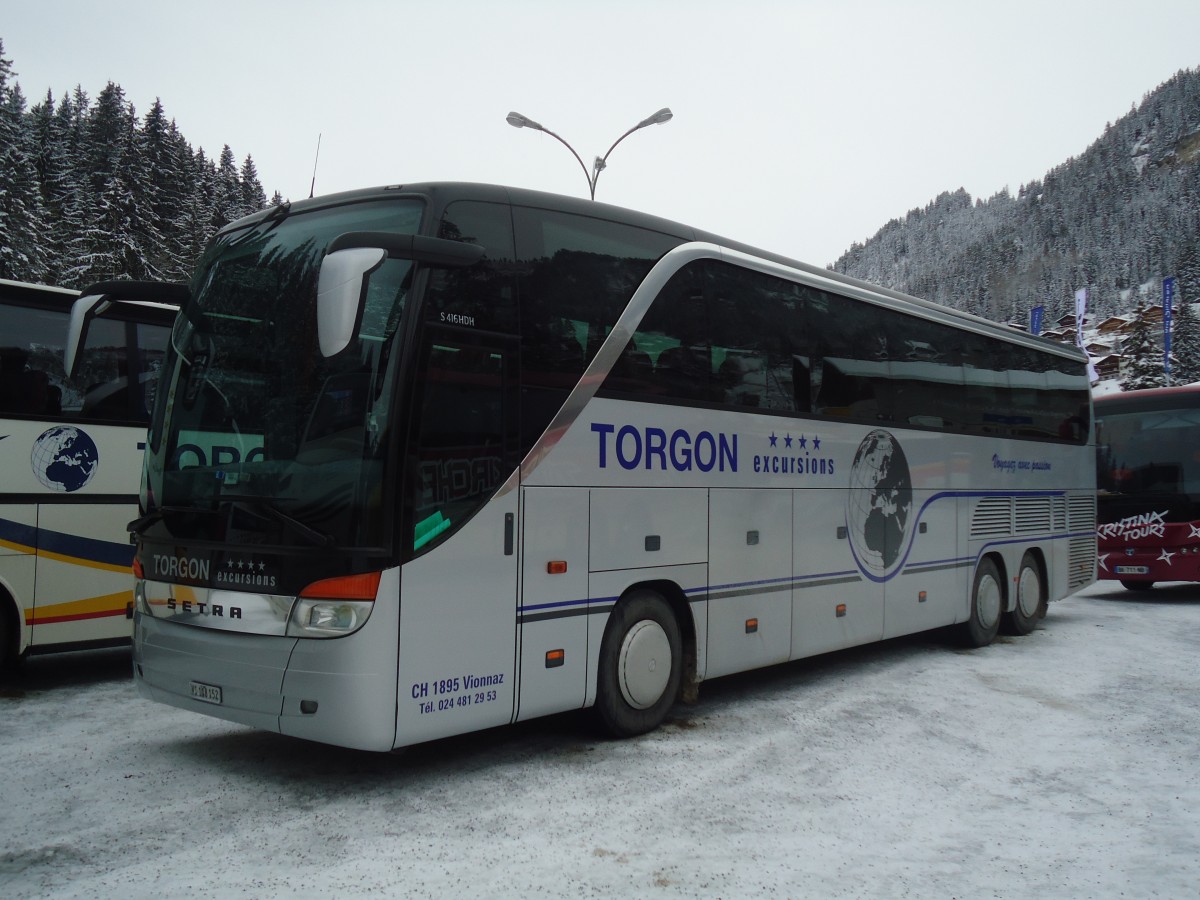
point(118, 367)
point(576, 274)
point(479, 296)
point(722, 334)
point(464, 447)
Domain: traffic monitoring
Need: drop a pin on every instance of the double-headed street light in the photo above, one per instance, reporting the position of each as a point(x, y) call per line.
point(516, 120)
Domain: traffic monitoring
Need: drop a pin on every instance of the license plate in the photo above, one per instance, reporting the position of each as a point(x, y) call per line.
point(209, 693)
point(1133, 570)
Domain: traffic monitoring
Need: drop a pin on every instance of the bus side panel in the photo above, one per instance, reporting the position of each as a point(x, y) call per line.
point(554, 630)
point(84, 583)
point(18, 527)
point(750, 566)
point(930, 590)
point(643, 527)
point(458, 630)
point(834, 605)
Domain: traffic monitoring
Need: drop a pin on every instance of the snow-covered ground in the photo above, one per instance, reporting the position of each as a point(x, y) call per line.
point(1062, 764)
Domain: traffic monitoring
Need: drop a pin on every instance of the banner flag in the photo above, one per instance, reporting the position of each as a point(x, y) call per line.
point(1080, 312)
point(1168, 300)
point(1035, 319)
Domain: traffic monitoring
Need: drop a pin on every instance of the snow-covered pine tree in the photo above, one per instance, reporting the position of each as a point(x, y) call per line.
point(22, 227)
point(1187, 282)
point(227, 202)
point(1145, 369)
point(167, 165)
point(1185, 345)
point(254, 197)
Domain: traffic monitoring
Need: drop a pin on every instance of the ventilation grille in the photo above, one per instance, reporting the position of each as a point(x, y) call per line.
point(1082, 513)
point(1033, 515)
point(1082, 563)
point(1060, 514)
point(993, 518)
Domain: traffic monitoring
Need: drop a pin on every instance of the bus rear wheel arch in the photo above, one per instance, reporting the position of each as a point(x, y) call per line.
point(9, 634)
point(641, 664)
point(1029, 605)
point(988, 599)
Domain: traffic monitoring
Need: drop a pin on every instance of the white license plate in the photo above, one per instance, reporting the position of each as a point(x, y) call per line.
point(1133, 570)
point(209, 693)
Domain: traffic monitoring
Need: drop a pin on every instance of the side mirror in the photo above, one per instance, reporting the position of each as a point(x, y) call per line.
point(83, 311)
point(339, 295)
point(98, 298)
point(353, 256)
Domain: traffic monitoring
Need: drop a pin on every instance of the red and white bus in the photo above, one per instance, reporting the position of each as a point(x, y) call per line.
point(1148, 483)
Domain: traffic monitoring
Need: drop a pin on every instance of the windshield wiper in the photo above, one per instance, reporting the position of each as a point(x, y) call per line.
point(267, 512)
point(141, 523)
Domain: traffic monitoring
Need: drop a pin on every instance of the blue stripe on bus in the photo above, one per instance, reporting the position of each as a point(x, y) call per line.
point(17, 533)
point(90, 549)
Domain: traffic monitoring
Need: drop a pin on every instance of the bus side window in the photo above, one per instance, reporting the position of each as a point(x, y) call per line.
point(25, 390)
point(31, 375)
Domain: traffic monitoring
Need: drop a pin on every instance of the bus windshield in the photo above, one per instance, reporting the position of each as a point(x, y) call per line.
point(260, 439)
point(1149, 452)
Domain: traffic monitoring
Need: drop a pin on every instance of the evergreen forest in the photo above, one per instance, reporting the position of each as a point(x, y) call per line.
point(1115, 220)
point(90, 191)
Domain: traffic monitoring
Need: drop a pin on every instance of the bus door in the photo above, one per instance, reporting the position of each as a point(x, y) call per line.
point(458, 594)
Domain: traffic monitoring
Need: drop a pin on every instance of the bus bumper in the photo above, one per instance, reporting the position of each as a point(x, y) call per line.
point(314, 689)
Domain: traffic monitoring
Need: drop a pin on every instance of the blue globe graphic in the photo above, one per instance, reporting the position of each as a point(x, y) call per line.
point(65, 458)
point(879, 504)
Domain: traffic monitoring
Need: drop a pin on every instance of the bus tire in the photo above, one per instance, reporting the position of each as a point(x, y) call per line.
point(1136, 585)
point(1031, 597)
point(987, 602)
point(640, 667)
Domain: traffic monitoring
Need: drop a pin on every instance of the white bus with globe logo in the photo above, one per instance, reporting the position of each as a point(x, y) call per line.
point(70, 460)
point(440, 457)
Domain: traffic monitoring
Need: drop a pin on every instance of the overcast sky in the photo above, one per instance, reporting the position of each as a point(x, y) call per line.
point(799, 127)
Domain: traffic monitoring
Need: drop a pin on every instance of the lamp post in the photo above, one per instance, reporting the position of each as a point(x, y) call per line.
point(516, 120)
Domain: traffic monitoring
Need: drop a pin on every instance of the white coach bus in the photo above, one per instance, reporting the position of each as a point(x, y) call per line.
point(432, 458)
point(70, 462)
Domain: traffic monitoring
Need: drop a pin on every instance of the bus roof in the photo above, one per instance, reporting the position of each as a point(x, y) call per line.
point(442, 193)
point(1187, 395)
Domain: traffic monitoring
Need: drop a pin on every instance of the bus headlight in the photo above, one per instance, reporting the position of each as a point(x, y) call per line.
point(328, 618)
point(334, 607)
point(140, 603)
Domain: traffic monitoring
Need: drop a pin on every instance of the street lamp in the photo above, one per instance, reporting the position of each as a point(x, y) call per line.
point(516, 120)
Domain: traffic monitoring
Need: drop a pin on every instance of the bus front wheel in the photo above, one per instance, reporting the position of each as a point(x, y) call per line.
point(1031, 598)
point(641, 664)
point(987, 602)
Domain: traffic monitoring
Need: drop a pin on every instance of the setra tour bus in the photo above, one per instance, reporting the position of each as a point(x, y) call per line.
point(432, 458)
point(1148, 483)
point(70, 461)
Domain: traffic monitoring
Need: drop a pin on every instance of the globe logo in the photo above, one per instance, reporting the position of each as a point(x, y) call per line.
point(879, 505)
point(64, 458)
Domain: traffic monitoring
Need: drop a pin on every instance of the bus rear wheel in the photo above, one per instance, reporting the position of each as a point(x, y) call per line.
point(1031, 598)
point(641, 665)
point(987, 601)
